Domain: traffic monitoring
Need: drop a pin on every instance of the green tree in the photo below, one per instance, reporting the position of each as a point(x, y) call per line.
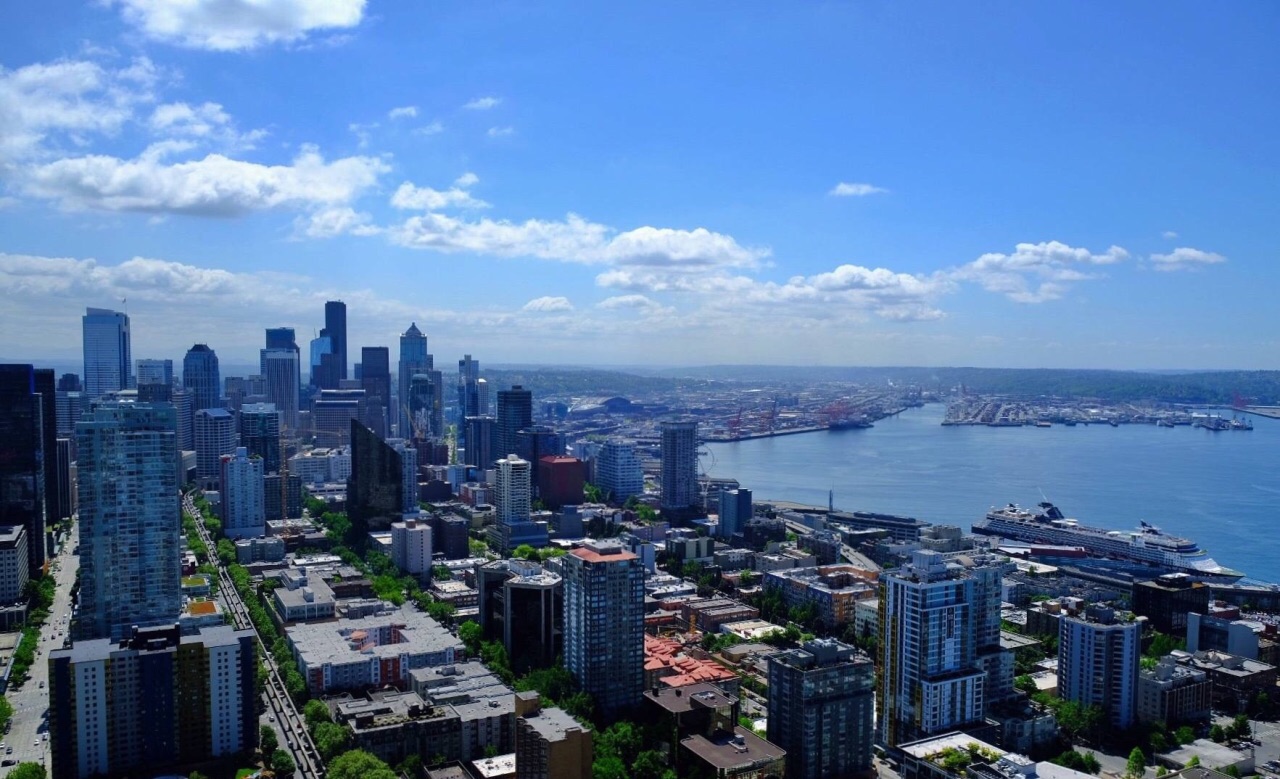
point(1184, 735)
point(359, 764)
point(267, 739)
point(609, 767)
point(315, 712)
point(470, 634)
point(1158, 742)
point(6, 712)
point(648, 764)
point(331, 739)
point(1217, 733)
point(294, 684)
point(1194, 761)
point(410, 766)
point(282, 763)
point(592, 493)
point(1137, 764)
point(196, 775)
point(1240, 727)
point(441, 611)
point(28, 771)
point(525, 552)
point(441, 573)
point(226, 551)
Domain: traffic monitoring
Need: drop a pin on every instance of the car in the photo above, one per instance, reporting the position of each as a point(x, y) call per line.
point(8, 761)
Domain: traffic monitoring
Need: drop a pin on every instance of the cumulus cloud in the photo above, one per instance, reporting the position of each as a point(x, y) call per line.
point(844, 189)
point(467, 179)
point(403, 112)
point(1185, 258)
point(482, 103)
point(208, 121)
point(236, 25)
point(410, 197)
point(1037, 272)
point(213, 186)
point(628, 302)
point(548, 304)
point(331, 222)
point(501, 132)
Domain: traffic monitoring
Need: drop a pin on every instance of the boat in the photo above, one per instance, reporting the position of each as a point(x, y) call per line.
point(850, 424)
point(1070, 423)
point(1146, 547)
point(1163, 423)
point(1214, 423)
point(1044, 423)
point(1241, 424)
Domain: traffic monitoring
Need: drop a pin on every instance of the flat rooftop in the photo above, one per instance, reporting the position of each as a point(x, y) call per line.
point(734, 750)
point(679, 700)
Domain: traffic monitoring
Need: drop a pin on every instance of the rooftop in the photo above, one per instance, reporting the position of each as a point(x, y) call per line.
point(683, 699)
point(734, 750)
point(553, 723)
point(495, 767)
point(355, 640)
point(602, 552)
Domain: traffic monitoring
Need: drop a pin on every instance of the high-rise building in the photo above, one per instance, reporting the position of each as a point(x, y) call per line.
point(411, 546)
point(931, 680)
point(201, 378)
point(282, 384)
point(155, 380)
point(14, 568)
point(130, 520)
point(22, 458)
point(65, 463)
point(68, 404)
point(46, 387)
point(278, 338)
point(679, 465)
point(468, 387)
point(260, 434)
point(414, 360)
point(1167, 600)
point(537, 441)
point(408, 473)
point(241, 498)
point(479, 435)
point(482, 397)
point(375, 378)
point(69, 382)
point(332, 412)
point(215, 434)
point(282, 496)
point(513, 490)
point(821, 709)
point(515, 413)
point(426, 412)
point(335, 323)
point(618, 471)
point(560, 481)
point(375, 491)
point(604, 624)
point(522, 605)
point(108, 364)
point(154, 700)
point(1098, 654)
point(735, 511)
point(181, 400)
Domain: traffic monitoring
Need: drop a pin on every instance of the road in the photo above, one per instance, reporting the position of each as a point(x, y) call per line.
point(30, 727)
point(282, 714)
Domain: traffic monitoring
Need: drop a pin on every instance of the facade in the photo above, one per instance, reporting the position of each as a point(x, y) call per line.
point(411, 546)
point(108, 363)
point(522, 605)
point(478, 433)
point(833, 590)
point(319, 465)
point(281, 496)
point(130, 519)
point(65, 504)
point(537, 441)
point(260, 434)
point(550, 744)
point(515, 413)
point(1167, 600)
point(1173, 693)
point(604, 624)
point(335, 324)
point(22, 457)
point(201, 378)
point(618, 472)
point(426, 406)
point(215, 436)
point(13, 563)
point(1098, 655)
point(181, 400)
point(408, 474)
point(735, 510)
point(469, 388)
point(560, 481)
point(279, 338)
point(242, 503)
point(375, 491)
point(414, 359)
point(820, 709)
point(152, 700)
point(332, 412)
point(512, 492)
point(324, 363)
point(679, 465)
point(280, 369)
point(1237, 681)
point(375, 379)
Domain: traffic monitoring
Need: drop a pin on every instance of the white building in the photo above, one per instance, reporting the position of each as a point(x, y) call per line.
point(321, 465)
point(618, 472)
point(13, 563)
point(1098, 662)
point(513, 490)
point(411, 546)
point(243, 504)
point(215, 435)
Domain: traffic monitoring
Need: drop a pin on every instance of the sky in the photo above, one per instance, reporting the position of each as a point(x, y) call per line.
point(1085, 184)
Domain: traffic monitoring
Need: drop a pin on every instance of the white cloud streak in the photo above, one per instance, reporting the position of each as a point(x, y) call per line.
point(413, 198)
point(844, 189)
point(1185, 258)
point(548, 304)
point(403, 112)
point(501, 132)
point(237, 25)
point(482, 103)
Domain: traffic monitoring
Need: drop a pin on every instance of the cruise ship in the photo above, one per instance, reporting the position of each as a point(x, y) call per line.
point(1147, 546)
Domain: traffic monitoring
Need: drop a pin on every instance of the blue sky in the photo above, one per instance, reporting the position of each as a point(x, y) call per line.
point(803, 183)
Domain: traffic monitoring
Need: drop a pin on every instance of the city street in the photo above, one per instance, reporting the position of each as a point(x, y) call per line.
point(28, 734)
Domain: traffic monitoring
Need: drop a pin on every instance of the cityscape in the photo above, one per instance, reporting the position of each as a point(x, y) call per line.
point(563, 390)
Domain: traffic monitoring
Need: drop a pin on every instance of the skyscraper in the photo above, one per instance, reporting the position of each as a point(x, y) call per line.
point(46, 384)
point(335, 324)
point(679, 465)
point(201, 378)
point(260, 434)
point(821, 710)
point(618, 472)
point(324, 367)
point(468, 387)
point(375, 378)
point(735, 511)
point(479, 435)
point(156, 373)
point(604, 624)
point(240, 500)
point(181, 400)
point(108, 364)
point(282, 384)
point(22, 469)
point(513, 490)
point(215, 434)
point(375, 491)
point(515, 412)
point(1098, 655)
point(130, 519)
point(414, 360)
point(426, 417)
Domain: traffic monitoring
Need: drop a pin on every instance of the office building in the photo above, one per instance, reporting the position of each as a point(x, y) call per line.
point(46, 387)
point(1098, 654)
point(604, 624)
point(535, 442)
point(468, 387)
point(513, 490)
point(335, 324)
point(201, 378)
point(550, 744)
point(522, 605)
point(679, 465)
point(69, 382)
point(425, 406)
point(931, 680)
point(414, 360)
point(278, 338)
point(332, 412)
point(618, 471)
point(155, 700)
point(515, 413)
point(375, 491)
point(215, 434)
point(241, 498)
point(68, 406)
point(282, 496)
point(411, 546)
point(108, 363)
point(1167, 600)
point(479, 436)
point(64, 464)
point(281, 374)
point(155, 380)
point(735, 511)
point(323, 362)
point(821, 709)
point(561, 481)
point(130, 520)
point(319, 465)
point(260, 433)
point(22, 466)
point(14, 568)
point(375, 379)
point(181, 400)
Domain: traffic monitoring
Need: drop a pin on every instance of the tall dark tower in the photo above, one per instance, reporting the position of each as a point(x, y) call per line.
point(45, 384)
point(201, 378)
point(375, 378)
point(515, 413)
point(335, 323)
point(22, 474)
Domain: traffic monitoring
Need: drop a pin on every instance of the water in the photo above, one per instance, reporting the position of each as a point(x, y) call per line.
point(1219, 489)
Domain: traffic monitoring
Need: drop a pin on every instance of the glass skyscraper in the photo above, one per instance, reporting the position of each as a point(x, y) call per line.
point(414, 360)
point(108, 365)
point(200, 377)
point(22, 471)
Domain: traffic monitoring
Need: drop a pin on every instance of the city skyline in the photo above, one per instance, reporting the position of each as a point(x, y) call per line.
point(827, 185)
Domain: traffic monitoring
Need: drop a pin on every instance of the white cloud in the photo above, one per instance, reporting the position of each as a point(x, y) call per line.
point(500, 132)
point(1169, 235)
point(208, 121)
point(409, 197)
point(482, 103)
point(331, 222)
point(403, 112)
point(855, 190)
point(433, 128)
point(235, 25)
point(213, 186)
point(628, 302)
point(362, 132)
point(1185, 258)
point(544, 305)
point(1037, 272)
point(467, 179)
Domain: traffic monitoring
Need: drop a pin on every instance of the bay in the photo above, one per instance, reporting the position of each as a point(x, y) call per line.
point(1221, 489)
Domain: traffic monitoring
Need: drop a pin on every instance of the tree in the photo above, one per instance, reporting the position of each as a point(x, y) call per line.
point(609, 767)
point(1184, 735)
point(1137, 764)
point(359, 764)
point(226, 551)
point(470, 634)
point(6, 712)
point(441, 573)
point(282, 763)
point(267, 739)
point(315, 712)
point(525, 552)
point(410, 766)
point(331, 739)
point(196, 775)
point(294, 684)
point(746, 578)
point(1240, 727)
point(1194, 761)
point(648, 764)
point(1158, 742)
point(28, 771)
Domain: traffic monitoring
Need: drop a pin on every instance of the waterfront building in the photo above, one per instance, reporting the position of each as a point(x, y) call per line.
point(1167, 600)
point(1098, 654)
point(900, 529)
point(735, 511)
point(411, 546)
point(130, 519)
point(375, 379)
point(201, 378)
point(280, 368)
point(24, 415)
point(550, 744)
point(604, 624)
point(215, 435)
point(820, 709)
point(679, 465)
point(618, 471)
point(335, 324)
point(241, 498)
point(414, 359)
point(260, 434)
point(521, 604)
point(108, 364)
point(515, 413)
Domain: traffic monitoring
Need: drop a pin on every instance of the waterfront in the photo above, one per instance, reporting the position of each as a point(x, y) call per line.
point(1218, 488)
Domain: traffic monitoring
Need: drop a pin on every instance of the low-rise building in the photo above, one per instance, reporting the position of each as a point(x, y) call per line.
point(708, 614)
point(1167, 600)
point(304, 598)
point(1236, 680)
point(550, 744)
point(394, 725)
point(687, 546)
point(833, 590)
point(268, 549)
point(1173, 693)
point(667, 664)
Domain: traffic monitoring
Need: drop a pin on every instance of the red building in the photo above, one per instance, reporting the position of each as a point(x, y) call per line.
point(560, 481)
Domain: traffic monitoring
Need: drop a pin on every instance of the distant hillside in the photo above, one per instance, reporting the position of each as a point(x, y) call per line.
point(585, 381)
